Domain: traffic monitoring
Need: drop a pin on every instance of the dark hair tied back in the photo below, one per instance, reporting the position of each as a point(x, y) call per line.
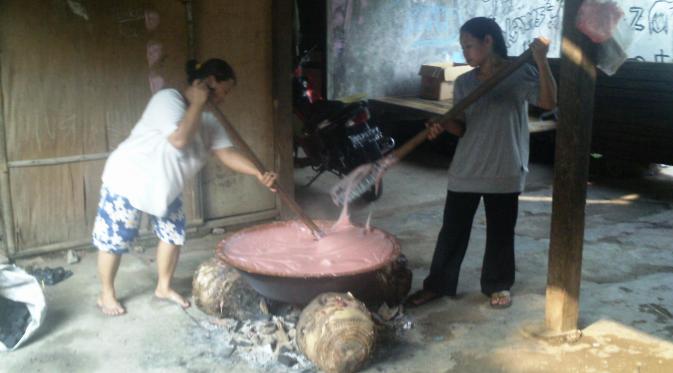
point(216, 67)
point(479, 27)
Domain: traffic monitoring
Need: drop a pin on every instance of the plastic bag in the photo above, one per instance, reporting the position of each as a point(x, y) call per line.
point(604, 23)
point(612, 53)
point(598, 19)
point(18, 291)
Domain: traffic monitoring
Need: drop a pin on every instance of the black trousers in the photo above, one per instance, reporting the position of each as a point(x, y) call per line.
point(497, 272)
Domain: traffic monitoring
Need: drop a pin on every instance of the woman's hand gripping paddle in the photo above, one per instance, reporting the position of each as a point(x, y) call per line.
point(364, 177)
point(289, 201)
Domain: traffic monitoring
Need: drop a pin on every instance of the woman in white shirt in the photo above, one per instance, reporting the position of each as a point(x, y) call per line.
point(146, 173)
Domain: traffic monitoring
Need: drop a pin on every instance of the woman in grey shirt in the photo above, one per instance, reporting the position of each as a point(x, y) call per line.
point(491, 162)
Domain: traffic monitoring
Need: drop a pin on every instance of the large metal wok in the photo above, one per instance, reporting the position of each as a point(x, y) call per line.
point(363, 284)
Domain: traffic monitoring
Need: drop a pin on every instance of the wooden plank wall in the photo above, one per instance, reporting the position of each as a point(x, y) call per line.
point(633, 113)
point(283, 28)
point(71, 86)
point(75, 81)
point(241, 34)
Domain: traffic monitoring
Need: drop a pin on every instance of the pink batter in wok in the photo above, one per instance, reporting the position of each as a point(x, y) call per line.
point(289, 249)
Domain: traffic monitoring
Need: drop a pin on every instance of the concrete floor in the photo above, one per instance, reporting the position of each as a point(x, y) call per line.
point(626, 296)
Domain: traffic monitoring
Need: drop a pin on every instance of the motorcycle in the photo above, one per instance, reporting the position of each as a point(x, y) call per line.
point(335, 137)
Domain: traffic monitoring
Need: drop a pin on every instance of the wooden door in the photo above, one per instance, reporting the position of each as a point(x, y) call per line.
point(240, 33)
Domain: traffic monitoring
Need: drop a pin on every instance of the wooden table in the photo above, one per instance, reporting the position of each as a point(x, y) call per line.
point(414, 108)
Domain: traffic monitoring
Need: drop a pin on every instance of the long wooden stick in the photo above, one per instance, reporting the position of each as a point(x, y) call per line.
point(458, 109)
point(240, 143)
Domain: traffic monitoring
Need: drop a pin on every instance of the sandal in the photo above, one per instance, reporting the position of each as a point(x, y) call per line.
point(501, 299)
point(421, 297)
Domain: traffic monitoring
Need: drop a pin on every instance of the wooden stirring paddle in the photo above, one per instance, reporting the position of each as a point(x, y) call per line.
point(365, 176)
point(241, 144)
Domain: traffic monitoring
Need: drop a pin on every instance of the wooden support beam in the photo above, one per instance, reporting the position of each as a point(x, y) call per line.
point(8, 237)
point(571, 168)
point(282, 17)
point(58, 160)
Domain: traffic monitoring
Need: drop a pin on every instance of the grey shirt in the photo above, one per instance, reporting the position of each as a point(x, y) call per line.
point(492, 155)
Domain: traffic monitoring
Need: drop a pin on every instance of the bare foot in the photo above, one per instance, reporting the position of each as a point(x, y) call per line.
point(109, 305)
point(172, 296)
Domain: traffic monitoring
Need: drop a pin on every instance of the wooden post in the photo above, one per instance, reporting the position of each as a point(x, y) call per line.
point(571, 167)
point(8, 239)
point(282, 16)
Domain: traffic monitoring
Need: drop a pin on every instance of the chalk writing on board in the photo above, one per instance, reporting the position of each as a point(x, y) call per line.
point(521, 21)
point(435, 29)
point(637, 18)
point(661, 56)
point(531, 20)
point(377, 46)
point(497, 7)
point(651, 23)
point(660, 13)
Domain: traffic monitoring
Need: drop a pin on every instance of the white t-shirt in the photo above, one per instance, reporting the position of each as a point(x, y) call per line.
point(146, 168)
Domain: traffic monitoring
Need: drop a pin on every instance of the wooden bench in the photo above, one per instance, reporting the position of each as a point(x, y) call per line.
point(414, 108)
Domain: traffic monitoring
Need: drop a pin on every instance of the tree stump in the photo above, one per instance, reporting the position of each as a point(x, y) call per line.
point(220, 291)
point(336, 332)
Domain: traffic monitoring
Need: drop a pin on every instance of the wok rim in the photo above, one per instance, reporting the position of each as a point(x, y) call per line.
point(223, 257)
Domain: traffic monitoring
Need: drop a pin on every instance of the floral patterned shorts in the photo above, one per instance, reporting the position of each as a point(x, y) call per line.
point(117, 223)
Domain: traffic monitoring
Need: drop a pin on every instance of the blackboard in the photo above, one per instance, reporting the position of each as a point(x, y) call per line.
point(651, 29)
point(376, 47)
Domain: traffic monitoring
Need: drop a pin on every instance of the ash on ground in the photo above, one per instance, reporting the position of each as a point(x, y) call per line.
point(392, 326)
point(268, 343)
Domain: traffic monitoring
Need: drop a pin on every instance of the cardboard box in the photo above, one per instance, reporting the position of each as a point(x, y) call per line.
point(437, 79)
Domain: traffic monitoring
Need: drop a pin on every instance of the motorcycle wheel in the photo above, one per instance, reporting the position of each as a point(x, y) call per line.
point(372, 194)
